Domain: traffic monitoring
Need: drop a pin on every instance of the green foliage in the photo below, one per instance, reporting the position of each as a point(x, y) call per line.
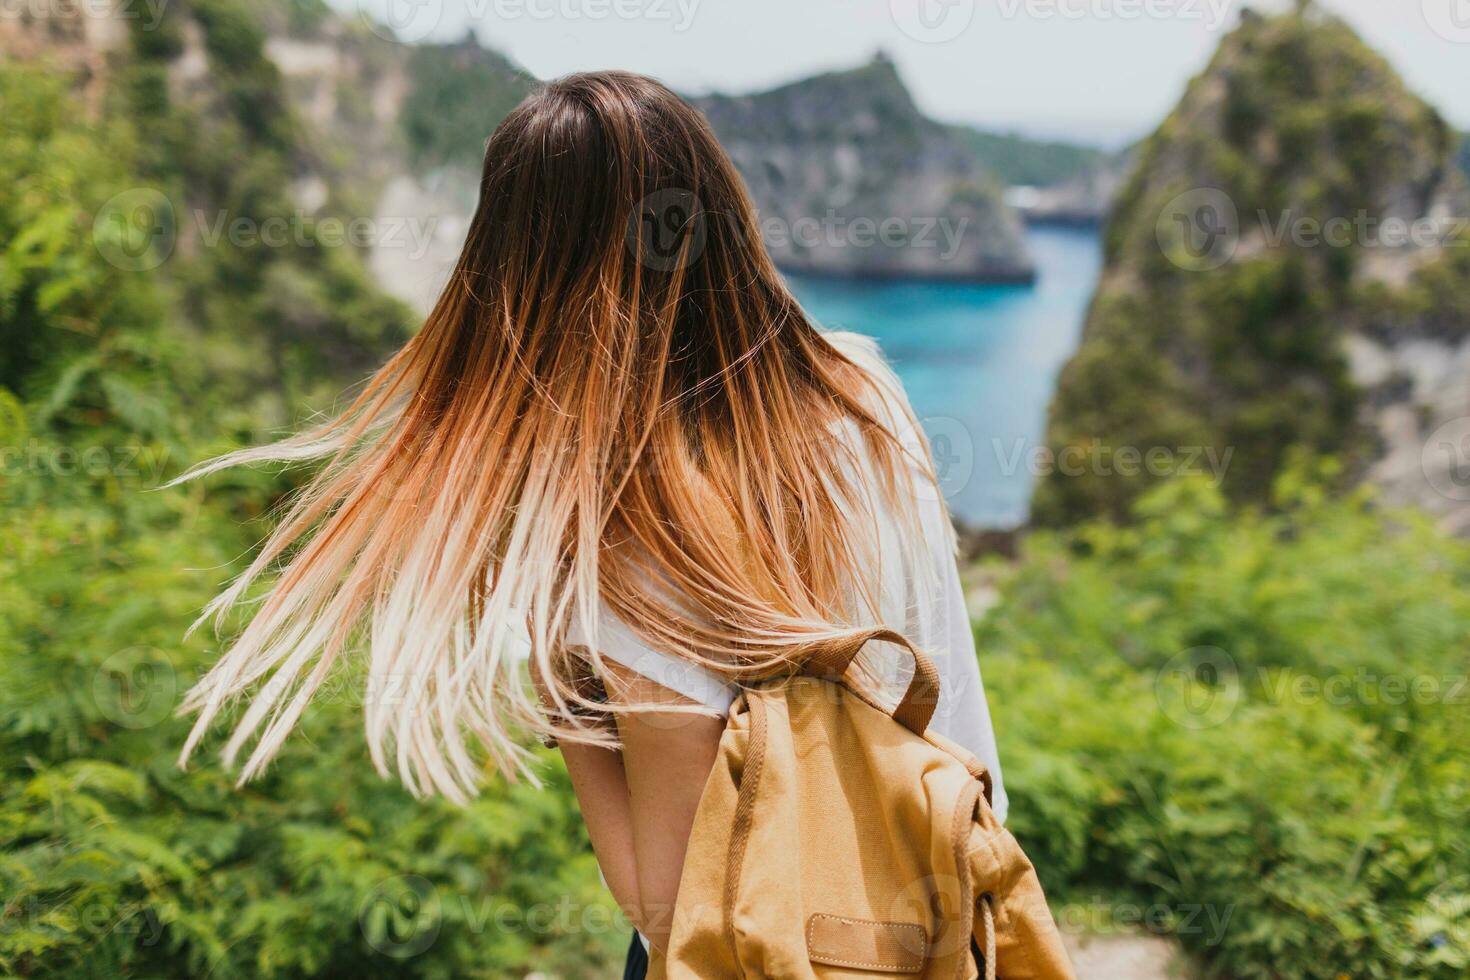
point(1435, 303)
point(61, 307)
point(459, 94)
point(303, 17)
point(235, 43)
point(224, 155)
point(113, 862)
point(1249, 730)
point(1295, 123)
point(1014, 159)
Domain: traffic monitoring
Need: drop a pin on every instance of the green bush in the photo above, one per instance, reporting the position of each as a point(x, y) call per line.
point(1251, 728)
point(1296, 119)
point(458, 94)
point(112, 861)
point(115, 863)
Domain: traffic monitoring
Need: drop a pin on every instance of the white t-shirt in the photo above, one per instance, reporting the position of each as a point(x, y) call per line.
point(920, 598)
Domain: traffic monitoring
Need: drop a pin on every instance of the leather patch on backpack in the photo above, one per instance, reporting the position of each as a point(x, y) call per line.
point(858, 944)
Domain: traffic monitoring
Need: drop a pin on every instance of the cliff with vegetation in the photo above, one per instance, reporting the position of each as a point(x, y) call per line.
point(409, 124)
point(1015, 159)
point(836, 160)
point(850, 177)
point(226, 194)
point(150, 316)
point(1261, 294)
point(1050, 182)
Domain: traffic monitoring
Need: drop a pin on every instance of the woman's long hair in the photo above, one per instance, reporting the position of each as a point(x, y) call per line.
point(615, 407)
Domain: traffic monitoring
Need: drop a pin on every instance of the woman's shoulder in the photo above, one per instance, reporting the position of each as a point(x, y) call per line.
point(890, 405)
point(889, 402)
point(864, 352)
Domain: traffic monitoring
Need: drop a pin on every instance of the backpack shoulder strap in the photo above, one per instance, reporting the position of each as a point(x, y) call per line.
point(831, 661)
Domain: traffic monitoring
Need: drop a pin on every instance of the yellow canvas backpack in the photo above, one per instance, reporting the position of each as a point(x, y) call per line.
point(835, 840)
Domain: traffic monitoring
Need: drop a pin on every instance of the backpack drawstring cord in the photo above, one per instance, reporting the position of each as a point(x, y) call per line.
point(987, 918)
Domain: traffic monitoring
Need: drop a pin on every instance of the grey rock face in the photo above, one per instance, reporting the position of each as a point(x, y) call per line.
point(850, 179)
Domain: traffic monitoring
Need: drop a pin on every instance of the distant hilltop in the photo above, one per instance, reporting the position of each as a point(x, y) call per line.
point(850, 177)
point(1287, 275)
point(841, 153)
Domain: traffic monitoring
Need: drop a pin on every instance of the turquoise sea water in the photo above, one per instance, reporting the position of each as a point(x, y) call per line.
point(979, 362)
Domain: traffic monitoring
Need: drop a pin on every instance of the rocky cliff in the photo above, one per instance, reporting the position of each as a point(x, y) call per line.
point(1050, 182)
point(408, 123)
point(1287, 272)
point(1083, 200)
point(243, 201)
point(851, 179)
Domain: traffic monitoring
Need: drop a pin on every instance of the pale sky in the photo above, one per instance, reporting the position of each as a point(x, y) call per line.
point(1101, 71)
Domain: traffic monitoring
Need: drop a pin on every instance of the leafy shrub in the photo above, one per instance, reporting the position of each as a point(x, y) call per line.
point(112, 861)
point(1250, 727)
point(458, 94)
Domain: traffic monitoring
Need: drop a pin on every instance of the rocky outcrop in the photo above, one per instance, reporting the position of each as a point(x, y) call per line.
point(1419, 409)
point(1050, 182)
point(1082, 201)
point(852, 180)
point(850, 177)
point(76, 39)
point(1286, 273)
point(407, 124)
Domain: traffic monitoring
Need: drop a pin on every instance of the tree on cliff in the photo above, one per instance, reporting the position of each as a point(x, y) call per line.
point(1251, 240)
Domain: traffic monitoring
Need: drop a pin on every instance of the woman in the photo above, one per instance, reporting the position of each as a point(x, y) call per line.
point(619, 452)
